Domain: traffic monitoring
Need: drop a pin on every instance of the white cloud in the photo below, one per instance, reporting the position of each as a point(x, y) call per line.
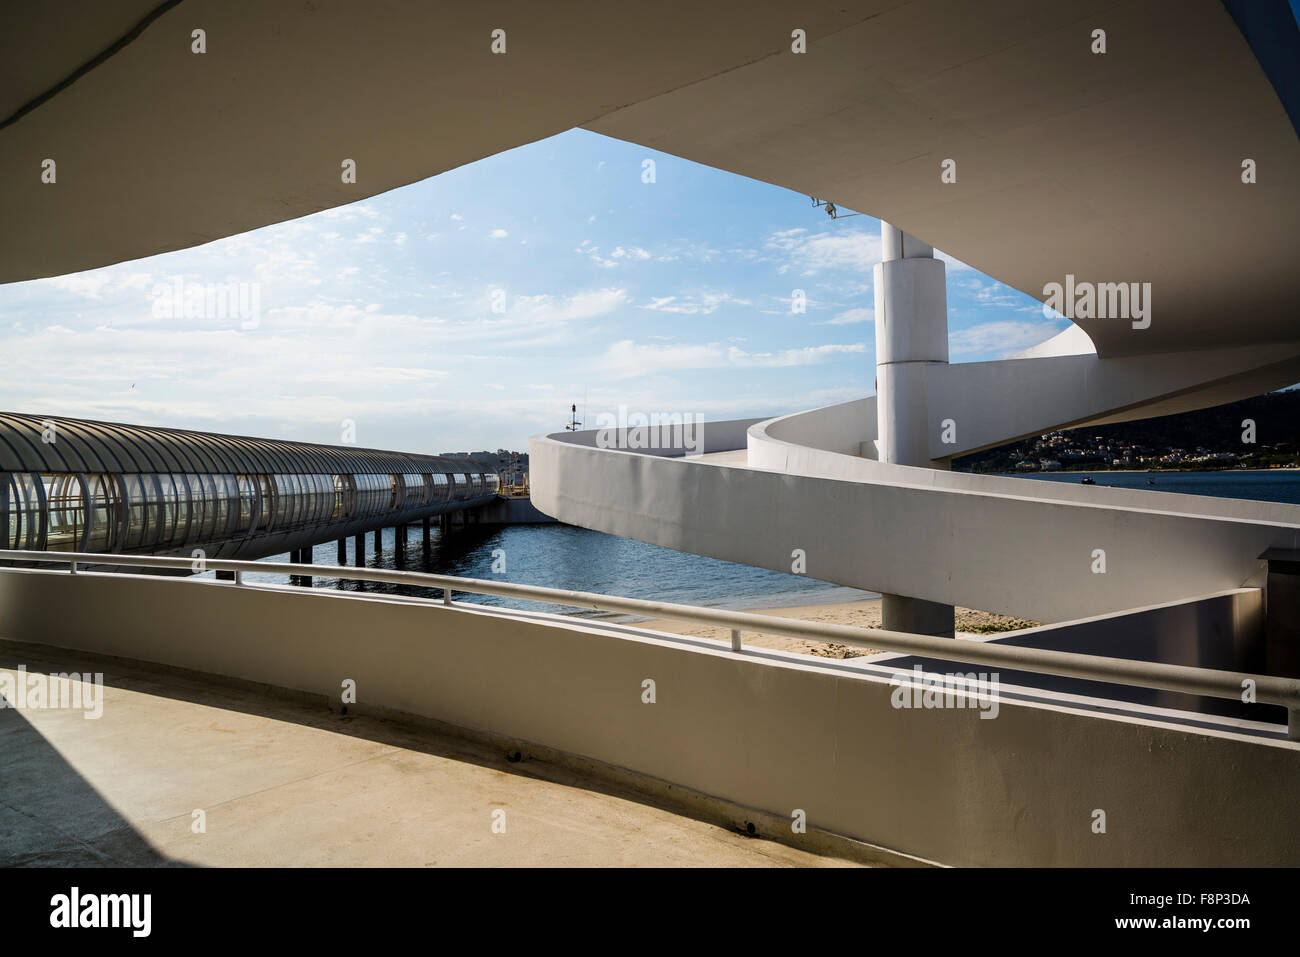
point(98, 283)
point(583, 305)
point(620, 254)
point(994, 293)
point(853, 249)
point(810, 253)
point(498, 234)
point(692, 305)
point(1001, 338)
point(852, 316)
point(628, 358)
point(806, 356)
point(586, 248)
point(632, 252)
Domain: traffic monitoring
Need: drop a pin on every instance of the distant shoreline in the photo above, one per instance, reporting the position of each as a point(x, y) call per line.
point(1284, 468)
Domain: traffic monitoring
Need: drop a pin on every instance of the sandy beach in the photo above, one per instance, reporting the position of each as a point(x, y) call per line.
point(860, 614)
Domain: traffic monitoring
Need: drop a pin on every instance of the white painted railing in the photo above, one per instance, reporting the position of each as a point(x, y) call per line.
point(1214, 683)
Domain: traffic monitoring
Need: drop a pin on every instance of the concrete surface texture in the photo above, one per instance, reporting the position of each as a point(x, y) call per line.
point(288, 783)
point(761, 730)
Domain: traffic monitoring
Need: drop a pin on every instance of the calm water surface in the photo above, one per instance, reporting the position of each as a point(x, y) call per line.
point(562, 556)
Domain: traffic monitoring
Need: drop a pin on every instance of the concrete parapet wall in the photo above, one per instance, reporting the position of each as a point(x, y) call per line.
point(1223, 631)
point(1005, 545)
point(766, 732)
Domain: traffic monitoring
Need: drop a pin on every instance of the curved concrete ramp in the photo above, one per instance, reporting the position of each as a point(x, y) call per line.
point(1005, 545)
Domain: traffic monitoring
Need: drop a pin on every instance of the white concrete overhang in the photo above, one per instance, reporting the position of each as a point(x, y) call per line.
point(1122, 167)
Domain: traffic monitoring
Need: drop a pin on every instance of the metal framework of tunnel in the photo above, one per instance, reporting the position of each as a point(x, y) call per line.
point(77, 485)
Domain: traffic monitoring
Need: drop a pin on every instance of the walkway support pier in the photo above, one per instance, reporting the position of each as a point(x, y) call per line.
point(301, 556)
point(359, 549)
point(911, 334)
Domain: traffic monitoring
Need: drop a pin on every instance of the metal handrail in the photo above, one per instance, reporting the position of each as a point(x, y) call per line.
point(1214, 683)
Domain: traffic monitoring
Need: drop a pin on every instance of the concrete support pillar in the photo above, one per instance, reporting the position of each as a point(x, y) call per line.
point(343, 552)
point(379, 541)
point(425, 530)
point(1282, 614)
point(359, 549)
point(399, 544)
point(911, 335)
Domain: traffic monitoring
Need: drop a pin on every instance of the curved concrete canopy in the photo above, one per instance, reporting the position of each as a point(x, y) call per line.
point(1122, 167)
point(159, 148)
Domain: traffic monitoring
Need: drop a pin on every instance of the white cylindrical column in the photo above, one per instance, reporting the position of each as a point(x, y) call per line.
point(911, 335)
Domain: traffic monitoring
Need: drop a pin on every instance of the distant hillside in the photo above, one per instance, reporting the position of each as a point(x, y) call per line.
point(1206, 439)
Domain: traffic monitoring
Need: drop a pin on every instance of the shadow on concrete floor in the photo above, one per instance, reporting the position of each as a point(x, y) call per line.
point(51, 816)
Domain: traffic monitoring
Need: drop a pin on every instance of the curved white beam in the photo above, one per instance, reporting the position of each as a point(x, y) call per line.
point(991, 403)
point(999, 544)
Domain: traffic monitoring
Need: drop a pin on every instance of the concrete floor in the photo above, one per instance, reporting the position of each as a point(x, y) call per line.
point(285, 783)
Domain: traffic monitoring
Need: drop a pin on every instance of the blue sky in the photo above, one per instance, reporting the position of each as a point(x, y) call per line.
point(672, 296)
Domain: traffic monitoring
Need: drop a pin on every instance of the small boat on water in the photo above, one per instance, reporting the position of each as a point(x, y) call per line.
point(1087, 480)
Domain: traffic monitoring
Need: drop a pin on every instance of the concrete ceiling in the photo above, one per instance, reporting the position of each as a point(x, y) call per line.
point(42, 47)
point(1117, 167)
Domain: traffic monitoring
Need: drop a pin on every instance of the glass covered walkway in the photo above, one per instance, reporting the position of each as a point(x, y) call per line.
point(76, 485)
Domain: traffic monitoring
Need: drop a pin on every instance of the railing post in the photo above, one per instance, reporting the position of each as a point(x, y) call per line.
point(1293, 724)
point(239, 577)
point(446, 596)
point(72, 567)
point(735, 639)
